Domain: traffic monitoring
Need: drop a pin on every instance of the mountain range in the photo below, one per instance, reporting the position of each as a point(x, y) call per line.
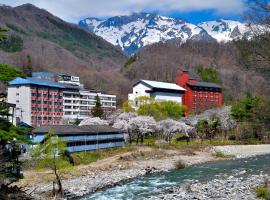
point(138, 30)
point(48, 43)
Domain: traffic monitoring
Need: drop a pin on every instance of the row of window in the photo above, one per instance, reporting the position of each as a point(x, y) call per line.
point(84, 113)
point(45, 118)
point(47, 96)
point(48, 109)
point(94, 142)
point(89, 97)
point(47, 102)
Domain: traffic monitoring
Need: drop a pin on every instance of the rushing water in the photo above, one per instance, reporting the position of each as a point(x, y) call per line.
point(152, 184)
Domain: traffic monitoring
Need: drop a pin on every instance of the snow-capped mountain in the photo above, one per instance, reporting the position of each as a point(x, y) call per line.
point(135, 31)
point(225, 30)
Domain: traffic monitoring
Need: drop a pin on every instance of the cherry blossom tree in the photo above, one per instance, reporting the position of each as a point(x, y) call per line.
point(168, 128)
point(140, 126)
point(93, 121)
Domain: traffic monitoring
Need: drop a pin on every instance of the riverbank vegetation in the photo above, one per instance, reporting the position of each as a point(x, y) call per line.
point(87, 157)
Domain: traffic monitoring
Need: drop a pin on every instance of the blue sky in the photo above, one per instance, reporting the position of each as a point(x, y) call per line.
point(194, 11)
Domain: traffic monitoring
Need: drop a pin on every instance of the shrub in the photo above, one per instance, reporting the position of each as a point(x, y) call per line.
point(162, 109)
point(220, 154)
point(180, 164)
point(262, 193)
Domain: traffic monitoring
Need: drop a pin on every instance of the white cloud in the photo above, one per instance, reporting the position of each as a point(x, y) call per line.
point(72, 10)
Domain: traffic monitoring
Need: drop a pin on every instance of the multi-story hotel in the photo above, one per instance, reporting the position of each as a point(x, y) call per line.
point(38, 101)
point(199, 96)
point(79, 101)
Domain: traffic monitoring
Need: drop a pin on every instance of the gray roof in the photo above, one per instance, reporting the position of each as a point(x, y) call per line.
point(161, 85)
point(73, 129)
point(205, 84)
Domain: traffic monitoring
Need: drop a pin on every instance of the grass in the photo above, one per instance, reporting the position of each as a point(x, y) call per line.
point(195, 144)
point(93, 156)
point(220, 154)
point(262, 192)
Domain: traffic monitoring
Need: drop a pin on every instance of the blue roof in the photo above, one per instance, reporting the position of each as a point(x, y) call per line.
point(35, 81)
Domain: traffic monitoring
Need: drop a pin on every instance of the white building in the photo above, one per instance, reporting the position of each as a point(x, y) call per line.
point(159, 91)
point(73, 80)
point(78, 101)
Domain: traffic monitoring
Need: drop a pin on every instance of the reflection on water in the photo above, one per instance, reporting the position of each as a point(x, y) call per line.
point(149, 185)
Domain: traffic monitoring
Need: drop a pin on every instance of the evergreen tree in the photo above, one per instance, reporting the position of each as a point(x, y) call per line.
point(11, 140)
point(97, 111)
point(28, 68)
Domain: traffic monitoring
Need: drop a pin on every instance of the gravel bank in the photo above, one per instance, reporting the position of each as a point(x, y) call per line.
point(243, 151)
point(99, 179)
point(223, 188)
point(93, 180)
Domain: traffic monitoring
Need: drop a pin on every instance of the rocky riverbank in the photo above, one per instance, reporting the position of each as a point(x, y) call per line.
point(118, 170)
point(223, 188)
point(112, 171)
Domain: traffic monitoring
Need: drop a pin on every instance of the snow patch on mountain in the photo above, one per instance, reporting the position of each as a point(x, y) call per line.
point(225, 30)
point(135, 31)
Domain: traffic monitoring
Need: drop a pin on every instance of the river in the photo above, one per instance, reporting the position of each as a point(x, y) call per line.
point(152, 184)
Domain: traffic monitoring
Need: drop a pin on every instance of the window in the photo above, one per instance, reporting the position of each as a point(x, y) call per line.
point(17, 94)
point(17, 101)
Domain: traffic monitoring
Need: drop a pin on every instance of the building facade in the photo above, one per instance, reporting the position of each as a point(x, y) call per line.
point(199, 96)
point(79, 101)
point(159, 91)
point(83, 138)
point(38, 102)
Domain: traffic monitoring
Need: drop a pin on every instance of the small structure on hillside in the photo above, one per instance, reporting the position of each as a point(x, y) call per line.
point(157, 90)
point(83, 138)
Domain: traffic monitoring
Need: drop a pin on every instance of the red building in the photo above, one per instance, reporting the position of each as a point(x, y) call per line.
point(38, 101)
point(199, 96)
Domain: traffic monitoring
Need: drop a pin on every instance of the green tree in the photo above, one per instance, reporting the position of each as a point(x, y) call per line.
point(214, 128)
point(126, 107)
point(11, 140)
point(172, 109)
point(161, 109)
point(97, 111)
point(208, 74)
point(8, 73)
point(51, 154)
point(243, 109)
point(202, 128)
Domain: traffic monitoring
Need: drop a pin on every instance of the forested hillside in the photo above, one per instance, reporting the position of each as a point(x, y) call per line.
point(51, 44)
point(161, 61)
